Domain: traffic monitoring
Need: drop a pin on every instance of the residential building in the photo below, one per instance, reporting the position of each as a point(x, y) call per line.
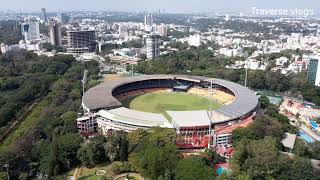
point(30, 31)
point(313, 74)
point(195, 40)
point(153, 46)
point(55, 33)
point(148, 22)
point(162, 30)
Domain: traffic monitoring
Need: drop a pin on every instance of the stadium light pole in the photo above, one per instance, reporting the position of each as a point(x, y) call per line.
point(211, 94)
point(246, 64)
point(84, 81)
point(132, 70)
point(246, 78)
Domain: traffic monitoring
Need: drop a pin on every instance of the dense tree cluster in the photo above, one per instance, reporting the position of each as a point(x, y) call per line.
point(50, 47)
point(50, 144)
point(24, 78)
point(10, 32)
point(258, 151)
point(153, 154)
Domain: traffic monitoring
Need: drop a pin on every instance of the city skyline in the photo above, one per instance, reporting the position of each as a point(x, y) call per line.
point(203, 6)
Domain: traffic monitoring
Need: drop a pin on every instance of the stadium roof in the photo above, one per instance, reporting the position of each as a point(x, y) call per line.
point(189, 118)
point(138, 118)
point(100, 96)
point(244, 102)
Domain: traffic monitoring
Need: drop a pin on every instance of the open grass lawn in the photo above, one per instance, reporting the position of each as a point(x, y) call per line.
point(159, 102)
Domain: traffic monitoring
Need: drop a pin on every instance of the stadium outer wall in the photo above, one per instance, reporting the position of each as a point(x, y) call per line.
point(103, 113)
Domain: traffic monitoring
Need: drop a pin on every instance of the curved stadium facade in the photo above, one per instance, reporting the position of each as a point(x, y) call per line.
point(105, 113)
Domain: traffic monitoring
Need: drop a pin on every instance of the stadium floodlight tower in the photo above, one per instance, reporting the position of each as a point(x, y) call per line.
point(210, 119)
point(246, 78)
point(84, 81)
point(132, 70)
point(246, 64)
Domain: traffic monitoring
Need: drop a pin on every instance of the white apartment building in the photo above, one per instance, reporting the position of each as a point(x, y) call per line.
point(153, 46)
point(195, 40)
point(30, 31)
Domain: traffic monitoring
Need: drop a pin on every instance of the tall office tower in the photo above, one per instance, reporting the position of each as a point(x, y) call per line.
point(44, 15)
point(55, 32)
point(152, 46)
point(30, 31)
point(313, 74)
point(81, 41)
point(148, 21)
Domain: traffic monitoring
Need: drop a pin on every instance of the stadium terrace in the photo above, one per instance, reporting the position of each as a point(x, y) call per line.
point(104, 110)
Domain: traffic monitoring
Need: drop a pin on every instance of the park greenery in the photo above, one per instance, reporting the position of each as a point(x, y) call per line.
point(259, 153)
point(151, 153)
point(264, 101)
point(10, 32)
point(46, 142)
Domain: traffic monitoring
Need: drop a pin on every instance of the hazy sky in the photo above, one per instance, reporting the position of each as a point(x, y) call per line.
point(154, 5)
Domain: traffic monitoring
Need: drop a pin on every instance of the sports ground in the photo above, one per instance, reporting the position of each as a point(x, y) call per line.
point(160, 102)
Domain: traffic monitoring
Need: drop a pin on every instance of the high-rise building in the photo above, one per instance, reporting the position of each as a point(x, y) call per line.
point(30, 31)
point(162, 30)
point(313, 75)
point(44, 15)
point(227, 18)
point(81, 41)
point(148, 22)
point(152, 46)
point(195, 40)
point(55, 32)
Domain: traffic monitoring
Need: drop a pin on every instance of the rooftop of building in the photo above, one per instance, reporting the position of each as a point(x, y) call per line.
point(134, 117)
point(189, 118)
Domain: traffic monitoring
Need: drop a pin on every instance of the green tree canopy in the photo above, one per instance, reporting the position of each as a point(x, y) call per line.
point(194, 167)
